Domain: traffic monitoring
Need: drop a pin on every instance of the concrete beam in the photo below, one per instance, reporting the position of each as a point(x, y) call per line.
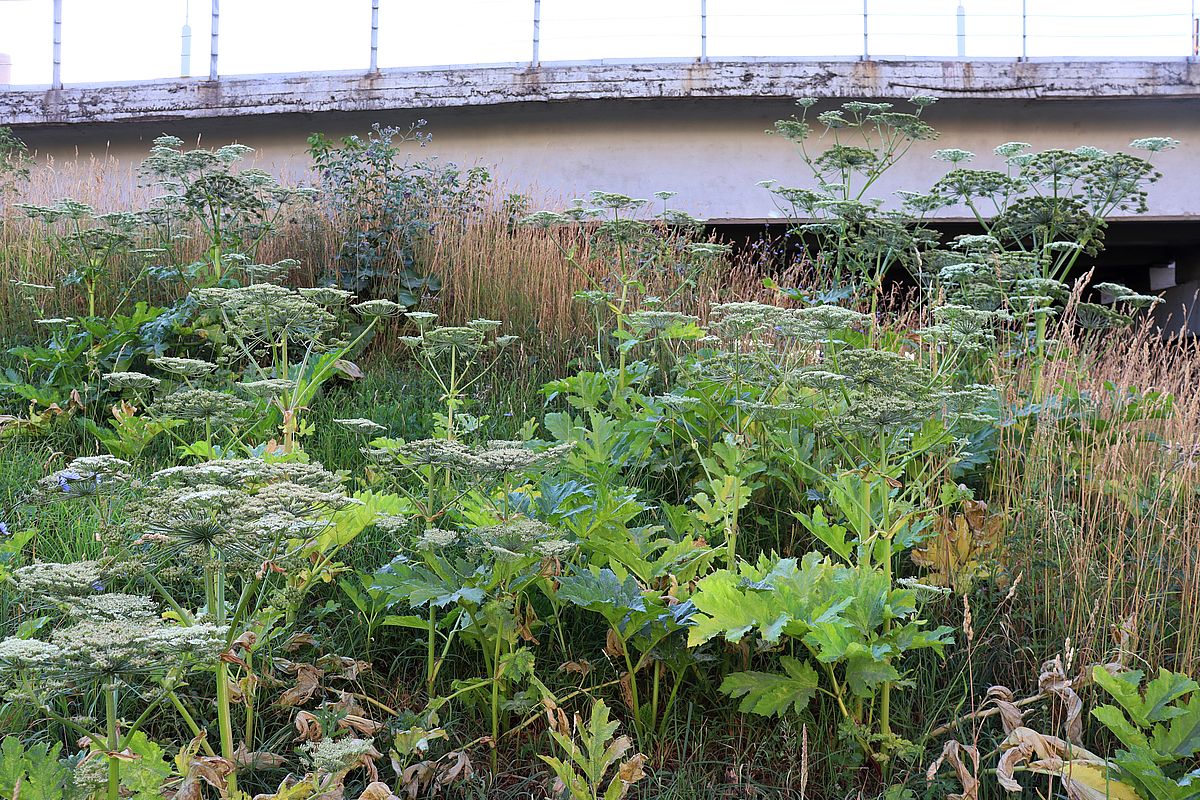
point(457, 87)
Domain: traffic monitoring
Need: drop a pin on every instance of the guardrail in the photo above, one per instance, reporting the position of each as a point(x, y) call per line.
point(569, 30)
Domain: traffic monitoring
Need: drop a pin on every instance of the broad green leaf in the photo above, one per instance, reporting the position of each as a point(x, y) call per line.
point(12, 764)
point(349, 522)
point(1180, 737)
point(724, 609)
point(1119, 725)
point(865, 672)
point(771, 694)
point(600, 590)
point(1124, 689)
point(832, 536)
point(415, 586)
point(144, 777)
point(1137, 767)
point(1164, 690)
point(407, 621)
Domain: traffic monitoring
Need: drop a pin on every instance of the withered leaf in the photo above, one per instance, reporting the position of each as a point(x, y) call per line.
point(1011, 717)
point(952, 753)
point(308, 681)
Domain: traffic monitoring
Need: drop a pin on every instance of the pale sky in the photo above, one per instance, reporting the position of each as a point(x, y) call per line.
point(111, 40)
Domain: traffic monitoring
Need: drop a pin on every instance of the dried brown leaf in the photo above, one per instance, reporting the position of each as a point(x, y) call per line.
point(258, 759)
point(377, 790)
point(952, 753)
point(1011, 717)
point(556, 718)
point(581, 667)
point(308, 727)
point(1084, 775)
point(1054, 682)
point(308, 681)
point(211, 770)
point(632, 770)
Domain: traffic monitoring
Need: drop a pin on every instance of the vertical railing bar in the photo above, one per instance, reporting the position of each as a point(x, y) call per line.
point(866, 49)
point(1195, 32)
point(704, 30)
point(962, 31)
point(185, 49)
point(212, 47)
point(1024, 30)
point(374, 36)
point(537, 33)
point(56, 71)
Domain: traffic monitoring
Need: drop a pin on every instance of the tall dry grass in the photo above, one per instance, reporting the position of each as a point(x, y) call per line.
point(1102, 500)
point(489, 266)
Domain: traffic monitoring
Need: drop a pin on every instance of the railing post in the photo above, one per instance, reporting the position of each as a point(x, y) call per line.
point(1195, 32)
point(962, 31)
point(56, 74)
point(185, 51)
point(866, 48)
point(704, 30)
point(1024, 31)
point(537, 33)
point(212, 50)
point(374, 36)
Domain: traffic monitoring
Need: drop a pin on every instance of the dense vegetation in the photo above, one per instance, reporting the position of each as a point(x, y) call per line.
point(392, 488)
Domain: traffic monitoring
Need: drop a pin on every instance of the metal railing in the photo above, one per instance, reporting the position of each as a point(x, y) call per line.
point(734, 27)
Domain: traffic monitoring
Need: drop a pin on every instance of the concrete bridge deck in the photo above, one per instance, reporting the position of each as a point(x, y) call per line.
point(490, 85)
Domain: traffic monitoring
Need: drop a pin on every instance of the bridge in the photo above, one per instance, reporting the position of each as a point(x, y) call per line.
point(692, 126)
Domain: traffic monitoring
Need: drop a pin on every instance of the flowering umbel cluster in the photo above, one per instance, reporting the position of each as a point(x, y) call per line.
point(247, 513)
point(87, 476)
point(496, 459)
point(107, 636)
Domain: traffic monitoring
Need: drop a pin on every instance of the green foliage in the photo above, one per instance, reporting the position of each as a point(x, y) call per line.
point(773, 694)
point(37, 772)
point(67, 371)
point(14, 161)
point(1158, 722)
point(591, 759)
point(387, 201)
point(851, 620)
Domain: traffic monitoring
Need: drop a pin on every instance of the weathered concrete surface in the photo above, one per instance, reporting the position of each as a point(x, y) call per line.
point(239, 96)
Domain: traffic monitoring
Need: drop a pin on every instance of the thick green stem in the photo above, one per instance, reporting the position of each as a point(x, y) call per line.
point(496, 677)
point(430, 654)
point(113, 742)
point(216, 607)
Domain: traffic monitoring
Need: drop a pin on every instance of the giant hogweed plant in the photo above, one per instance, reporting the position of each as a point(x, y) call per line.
point(1040, 215)
point(858, 240)
point(644, 255)
point(234, 209)
point(276, 347)
point(473, 560)
point(232, 549)
point(110, 645)
point(801, 404)
point(88, 244)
